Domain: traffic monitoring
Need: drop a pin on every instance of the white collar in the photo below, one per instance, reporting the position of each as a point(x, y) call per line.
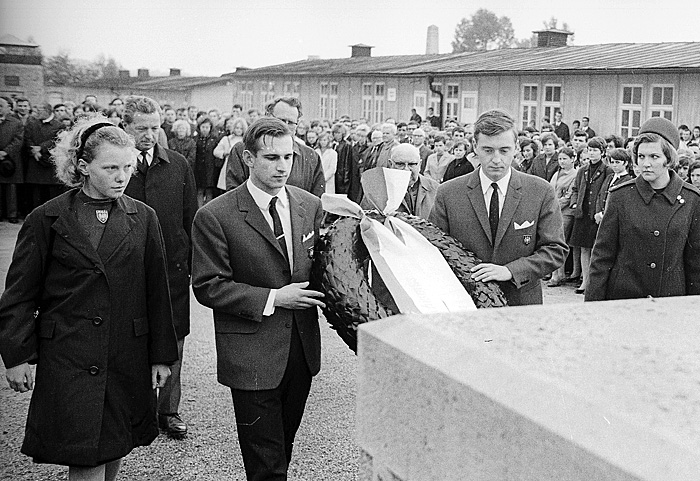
point(262, 198)
point(49, 119)
point(502, 184)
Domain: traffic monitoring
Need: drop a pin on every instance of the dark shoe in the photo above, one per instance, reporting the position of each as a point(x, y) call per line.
point(172, 425)
point(13, 220)
point(573, 279)
point(554, 284)
point(580, 290)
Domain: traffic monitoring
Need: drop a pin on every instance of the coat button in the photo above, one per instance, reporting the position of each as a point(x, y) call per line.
point(656, 233)
point(97, 321)
point(94, 370)
point(652, 265)
point(287, 324)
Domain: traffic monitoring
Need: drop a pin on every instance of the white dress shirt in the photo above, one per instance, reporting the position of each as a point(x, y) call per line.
point(262, 200)
point(149, 155)
point(487, 190)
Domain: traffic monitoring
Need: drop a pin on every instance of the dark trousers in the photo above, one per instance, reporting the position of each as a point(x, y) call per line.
point(267, 420)
point(169, 395)
point(9, 197)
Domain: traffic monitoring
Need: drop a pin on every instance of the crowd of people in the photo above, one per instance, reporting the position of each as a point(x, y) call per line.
point(619, 217)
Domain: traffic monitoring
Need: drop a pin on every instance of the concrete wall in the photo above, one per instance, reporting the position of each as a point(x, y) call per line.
point(595, 391)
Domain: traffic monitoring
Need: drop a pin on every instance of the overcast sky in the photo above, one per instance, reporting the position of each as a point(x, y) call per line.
point(212, 37)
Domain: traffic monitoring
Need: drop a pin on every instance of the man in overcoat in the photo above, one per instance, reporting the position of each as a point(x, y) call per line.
point(510, 220)
point(164, 181)
point(39, 137)
point(11, 168)
point(251, 265)
point(307, 171)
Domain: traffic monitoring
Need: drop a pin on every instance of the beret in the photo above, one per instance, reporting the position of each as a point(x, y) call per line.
point(662, 127)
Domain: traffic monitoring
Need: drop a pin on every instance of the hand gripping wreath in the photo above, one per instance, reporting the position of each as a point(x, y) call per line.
point(342, 270)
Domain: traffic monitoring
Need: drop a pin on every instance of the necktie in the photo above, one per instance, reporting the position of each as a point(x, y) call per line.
point(277, 227)
point(493, 212)
point(142, 164)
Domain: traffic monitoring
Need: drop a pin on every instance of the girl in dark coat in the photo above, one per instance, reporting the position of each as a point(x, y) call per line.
point(649, 239)
point(584, 193)
point(461, 165)
point(207, 165)
point(87, 301)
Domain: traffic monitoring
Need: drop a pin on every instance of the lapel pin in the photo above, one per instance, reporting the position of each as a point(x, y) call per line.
point(527, 239)
point(681, 199)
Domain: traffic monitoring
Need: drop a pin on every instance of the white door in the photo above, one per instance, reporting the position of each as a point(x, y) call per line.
point(469, 107)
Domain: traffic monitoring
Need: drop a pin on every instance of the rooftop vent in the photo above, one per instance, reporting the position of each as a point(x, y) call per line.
point(124, 74)
point(552, 37)
point(142, 73)
point(361, 50)
point(174, 72)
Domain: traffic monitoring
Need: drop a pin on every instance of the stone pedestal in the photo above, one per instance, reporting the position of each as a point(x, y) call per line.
point(599, 391)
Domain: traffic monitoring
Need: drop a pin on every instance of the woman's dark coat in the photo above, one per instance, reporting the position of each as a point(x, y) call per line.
point(42, 134)
point(187, 147)
point(103, 319)
point(578, 189)
point(648, 244)
point(207, 165)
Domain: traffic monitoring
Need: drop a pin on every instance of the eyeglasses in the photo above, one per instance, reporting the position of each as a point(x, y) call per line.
point(404, 164)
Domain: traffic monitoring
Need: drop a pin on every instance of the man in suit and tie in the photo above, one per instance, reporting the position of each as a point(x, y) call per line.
point(251, 265)
point(510, 220)
point(164, 181)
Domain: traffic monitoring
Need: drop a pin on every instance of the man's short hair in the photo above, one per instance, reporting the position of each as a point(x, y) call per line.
point(339, 128)
point(580, 133)
point(494, 122)
point(264, 127)
point(585, 118)
point(616, 140)
point(237, 106)
point(440, 138)
point(21, 99)
point(138, 104)
point(57, 106)
point(291, 101)
point(459, 129)
point(391, 126)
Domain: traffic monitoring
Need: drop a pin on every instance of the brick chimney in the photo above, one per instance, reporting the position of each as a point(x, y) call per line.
point(142, 73)
point(552, 37)
point(174, 72)
point(123, 74)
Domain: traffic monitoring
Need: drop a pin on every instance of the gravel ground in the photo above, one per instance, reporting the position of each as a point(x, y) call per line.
point(325, 446)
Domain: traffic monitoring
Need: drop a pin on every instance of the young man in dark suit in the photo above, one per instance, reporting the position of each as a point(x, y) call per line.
point(508, 219)
point(252, 265)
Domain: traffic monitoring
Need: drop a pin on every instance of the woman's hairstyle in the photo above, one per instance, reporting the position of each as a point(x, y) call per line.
point(666, 148)
point(532, 144)
point(615, 139)
point(439, 138)
point(206, 120)
point(597, 143)
point(112, 111)
point(685, 157)
point(620, 153)
point(464, 144)
point(238, 121)
point(180, 122)
point(544, 138)
point(82, 142)
point(568, 151)
point(323, 135)
point(693, 167)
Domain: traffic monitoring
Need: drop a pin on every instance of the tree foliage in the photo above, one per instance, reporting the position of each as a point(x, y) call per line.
point(61, 69)
point(483, 31)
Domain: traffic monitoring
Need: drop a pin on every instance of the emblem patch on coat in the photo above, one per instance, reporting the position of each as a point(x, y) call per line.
point(527, 239)
point(102, 215)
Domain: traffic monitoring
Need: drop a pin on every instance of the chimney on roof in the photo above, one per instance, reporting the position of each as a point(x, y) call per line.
point(174, 72)
point(361, 50)
point(142, 73)
point(432, 43)
point(124, 74)
point(552, 37)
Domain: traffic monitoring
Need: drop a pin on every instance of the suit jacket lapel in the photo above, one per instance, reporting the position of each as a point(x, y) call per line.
point(510, 204)
point(255, 219)
point(117, 228)
point(67, 226)
point(476, 197)
point(298, 216)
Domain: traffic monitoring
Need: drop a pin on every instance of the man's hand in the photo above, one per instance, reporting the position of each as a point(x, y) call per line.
point(20, 378)
point(598, 217)
point(296, 296)
point(3, 154)
point(159, 374)
point(491, 272)
point(36, 150)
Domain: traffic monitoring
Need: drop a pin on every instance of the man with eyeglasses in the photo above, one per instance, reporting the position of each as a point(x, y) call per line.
point(421, 192)
point(306, 173)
